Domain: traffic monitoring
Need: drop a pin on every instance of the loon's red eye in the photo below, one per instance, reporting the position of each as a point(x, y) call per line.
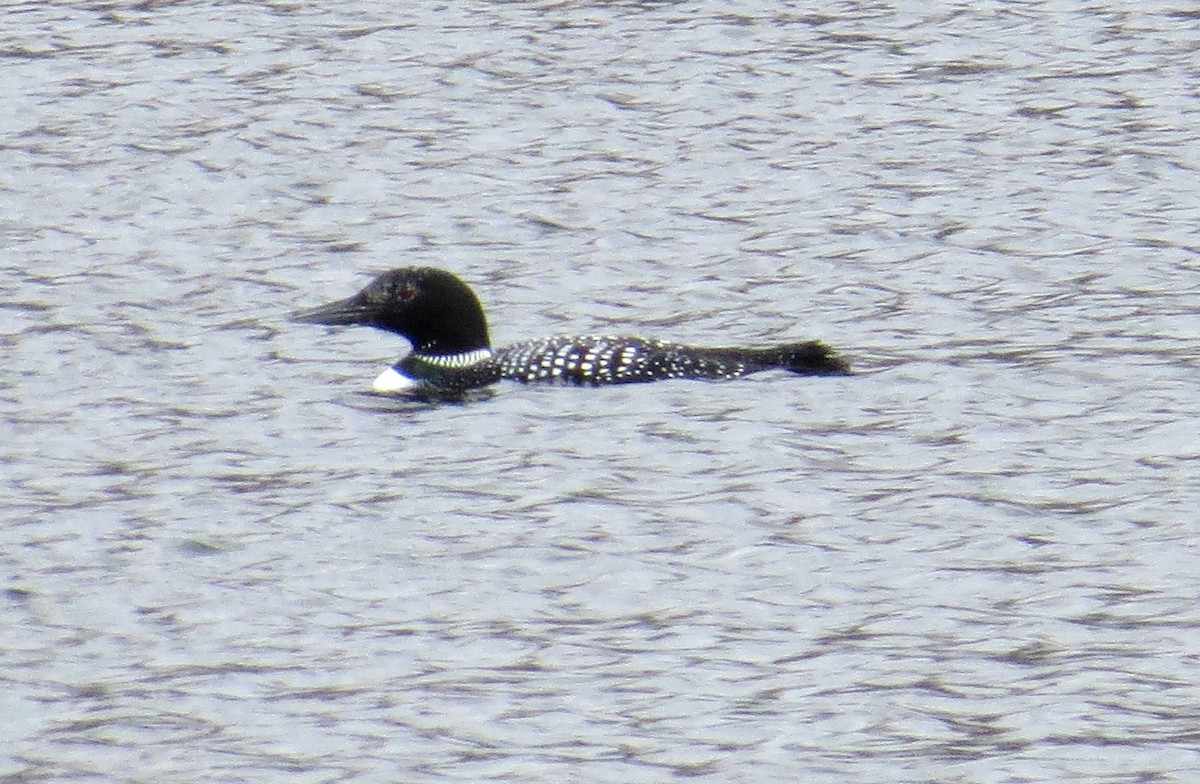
point(406, 292)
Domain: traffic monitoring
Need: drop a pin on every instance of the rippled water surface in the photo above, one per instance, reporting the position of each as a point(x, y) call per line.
point(974, 561)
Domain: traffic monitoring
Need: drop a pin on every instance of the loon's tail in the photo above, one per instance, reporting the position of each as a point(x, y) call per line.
point(813, 358)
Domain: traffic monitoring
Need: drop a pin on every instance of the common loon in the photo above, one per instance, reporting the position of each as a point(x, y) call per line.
point(442, 318)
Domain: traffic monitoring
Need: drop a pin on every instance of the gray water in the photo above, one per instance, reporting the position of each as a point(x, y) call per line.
point(973, 561)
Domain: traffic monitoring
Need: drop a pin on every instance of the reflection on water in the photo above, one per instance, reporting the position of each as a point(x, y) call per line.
point(972, 561)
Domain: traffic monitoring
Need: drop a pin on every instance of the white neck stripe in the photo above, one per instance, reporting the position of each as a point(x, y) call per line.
point(465, 359)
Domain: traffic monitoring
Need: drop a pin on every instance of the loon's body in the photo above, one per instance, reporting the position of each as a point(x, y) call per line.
point(442, 318)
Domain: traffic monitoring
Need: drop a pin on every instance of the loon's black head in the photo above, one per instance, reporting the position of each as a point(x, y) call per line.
point(437, 312)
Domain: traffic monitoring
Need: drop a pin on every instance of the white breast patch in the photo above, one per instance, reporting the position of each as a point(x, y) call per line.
point(392, 382)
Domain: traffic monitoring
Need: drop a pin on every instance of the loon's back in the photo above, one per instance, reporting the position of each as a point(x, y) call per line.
point(442, 318)
point(596, 360)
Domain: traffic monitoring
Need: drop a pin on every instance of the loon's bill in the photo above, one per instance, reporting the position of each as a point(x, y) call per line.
point(444, 321)
point(352, 310)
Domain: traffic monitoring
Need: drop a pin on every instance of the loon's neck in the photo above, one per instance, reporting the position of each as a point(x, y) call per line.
point(447, 342)
point(455, 361)
point(439, 373)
